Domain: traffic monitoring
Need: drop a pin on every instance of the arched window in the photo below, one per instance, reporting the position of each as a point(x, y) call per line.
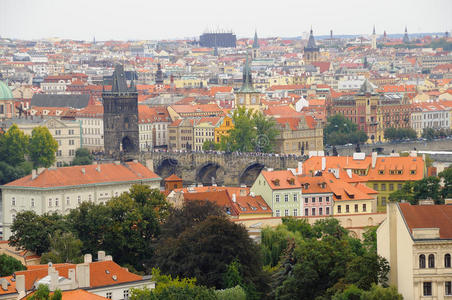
point(421, 261)
point(447, 260)
point(431, 261)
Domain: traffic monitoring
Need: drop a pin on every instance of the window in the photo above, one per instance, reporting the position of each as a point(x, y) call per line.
point(32, 202)
point(56, 201)
point(376, 186)
point(68, 201)
point(286, 212)
point(427, 288)
point(339, 209)
point(327, 199)
point(126, 294)
point(383, 186)
point(364, 207)
point(286, 198)
point(356, 207)
point(327, 211)
point(431, 261)
point(347, 208)
point(71, 142)
point(295, 198)
point(391, 186)
point(89, 197)
point(71, 152)
point(447, 260)
point(448, 288)
point(108, 295)
point(277, 198)
point(313, 199)
point(399, 186)
point(306, 200)
point(320, 211)
point(313, 211)
point(79, 199)
point(306, 212)
point(422, 261)
point(57, 132)
point(295, 212)
point(383, 200)
point(50, 202)
point(278, 214)
point(13, 201)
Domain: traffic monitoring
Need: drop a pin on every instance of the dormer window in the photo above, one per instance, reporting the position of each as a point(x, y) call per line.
point(291, 181)
point(275, 182)
point(381, 172)
point(306, 186)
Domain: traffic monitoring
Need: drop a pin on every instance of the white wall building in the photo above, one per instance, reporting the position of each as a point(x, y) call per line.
point(61, 189)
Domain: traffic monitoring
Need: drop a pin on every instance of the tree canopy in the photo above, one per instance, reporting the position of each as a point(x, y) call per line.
point(429, 187)
point(9, 265)
point(42, 147)
point(82, 157)
point(394, 134)
point(340, 131)
point(64, 248)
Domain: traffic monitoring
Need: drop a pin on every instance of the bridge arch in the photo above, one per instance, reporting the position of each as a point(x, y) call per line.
point(209, 173)
point(167, 166)
point(250, 173)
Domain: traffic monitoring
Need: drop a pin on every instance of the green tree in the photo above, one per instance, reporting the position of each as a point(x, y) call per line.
point(405, 193)
point(243, 134)
point(9, 173)
point(64, 248)
point(210, 145)
point(340, 131)
point(43, 293)
point(376, 270)
point(206, 249)
point(9, 265)
point(427, 188)
point(235, 293)
point(13, 146)
point(266, 132)
point(82, 157)
point(42, 147)
point(370, 239)
point(380, 293)
point(232, 276)
point(352, 292)
point(446, 176)
point(32, 232)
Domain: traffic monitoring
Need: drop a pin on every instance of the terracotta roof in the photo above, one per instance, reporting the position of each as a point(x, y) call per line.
point(393, 164)
point(280, 180)
point(82, 175)
point(98, 276)
point(75, 295)
point(173, 177)
point(182, 108)
point(428, 216)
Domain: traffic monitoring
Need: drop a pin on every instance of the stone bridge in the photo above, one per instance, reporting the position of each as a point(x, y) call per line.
point(221, 169)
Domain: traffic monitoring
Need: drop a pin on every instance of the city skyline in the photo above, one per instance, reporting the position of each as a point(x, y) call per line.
point(139, 20)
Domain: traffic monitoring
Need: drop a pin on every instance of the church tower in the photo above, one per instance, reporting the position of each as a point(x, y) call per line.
point(121, 139)
point(406, 39)
point(247, 96)
point(255, 49)
point(159, 76)
point(311, 51)
point(374, 39)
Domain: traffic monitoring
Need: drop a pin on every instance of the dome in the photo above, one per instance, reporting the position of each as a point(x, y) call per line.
point(5, 92)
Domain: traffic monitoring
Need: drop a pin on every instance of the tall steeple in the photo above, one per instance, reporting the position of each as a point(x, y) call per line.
point(159, 75)
point(256, 41)
point(406, 39)
point(311, 41)
point(255, 47)
point(247, 96)
point(311, 51)
point(247, 80)
point(374, 39)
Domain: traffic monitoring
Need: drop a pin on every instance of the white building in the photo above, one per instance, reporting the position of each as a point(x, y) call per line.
point(103, 277)
point(92, 123)
point(417, 242)
point(153, 127)
point(61, 189)
point(435, 115)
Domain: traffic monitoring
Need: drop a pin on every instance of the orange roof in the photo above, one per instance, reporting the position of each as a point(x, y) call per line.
point(428, 216)
point(98, 276)
point(83, 175)
point(173, 177)
point(187, 108)
point(148, 114)
point(76, 295)
point(220, 89)
point(391, 165)
point(280, 180)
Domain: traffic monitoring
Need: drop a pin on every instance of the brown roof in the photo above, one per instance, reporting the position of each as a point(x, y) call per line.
point(173, 177)
point(89, 174)
point(428, 216)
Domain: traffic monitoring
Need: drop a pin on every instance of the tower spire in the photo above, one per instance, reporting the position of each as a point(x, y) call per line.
point(256, 41)
point(373, 32)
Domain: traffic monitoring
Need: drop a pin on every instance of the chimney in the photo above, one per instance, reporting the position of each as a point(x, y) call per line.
point(349, 173)
point(83, 171)
point(20, 284)
point(117, 162)
point(150, 164)
point(243, 192)
point(40, 170)
point(100, 255)
point(87, 258)
point(300, 168)
point(374, 159)
point(234, 198)
point(428, 201)
point(82, 275)
point(108, 258)
point(98, 168)
point(323, 163)
point(4, 284)
point(33, 174)
point(53, 273)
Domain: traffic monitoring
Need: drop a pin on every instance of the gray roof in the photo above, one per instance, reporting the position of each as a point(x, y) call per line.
point(311, 42)
point(60, 100)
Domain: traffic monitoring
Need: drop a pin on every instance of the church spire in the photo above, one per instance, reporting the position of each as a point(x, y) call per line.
point(406, 39)
point(256, 41)
point(247, 80)
point(311, 41)
point(373, 32)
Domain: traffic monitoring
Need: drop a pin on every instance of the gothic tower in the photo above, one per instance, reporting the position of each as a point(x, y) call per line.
point(255, 49)
point(121, 139)
point(311, 51)
point(247, 96)
point(159, 76)
point(374, 39)
point(406, 39)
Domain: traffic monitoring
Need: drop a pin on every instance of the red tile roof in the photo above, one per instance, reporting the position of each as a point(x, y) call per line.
point(93, 174)
point(428, 216)
point(280, 180)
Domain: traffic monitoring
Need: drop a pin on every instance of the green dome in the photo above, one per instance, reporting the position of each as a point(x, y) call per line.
point(5, 92)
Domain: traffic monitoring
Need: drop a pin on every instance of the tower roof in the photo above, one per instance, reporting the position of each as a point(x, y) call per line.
point(406, 39)
point(367, 87)
point(119, 81)
point(5, 92)
point(159, 75)
point(373, 32)
point(311, 42)
point(247, 81)
point(256, 41)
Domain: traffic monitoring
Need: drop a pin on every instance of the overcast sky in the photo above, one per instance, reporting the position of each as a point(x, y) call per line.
point(168, 19)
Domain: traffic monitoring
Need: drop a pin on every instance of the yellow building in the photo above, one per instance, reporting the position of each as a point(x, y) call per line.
point(223, 129)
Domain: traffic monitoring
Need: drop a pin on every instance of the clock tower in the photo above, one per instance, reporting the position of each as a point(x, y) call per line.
point(247, 96)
